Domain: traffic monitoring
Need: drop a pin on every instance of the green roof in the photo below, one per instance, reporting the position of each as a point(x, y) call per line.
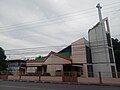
point(66, 51)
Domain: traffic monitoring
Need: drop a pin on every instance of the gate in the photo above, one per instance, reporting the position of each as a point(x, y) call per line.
point(69, 77)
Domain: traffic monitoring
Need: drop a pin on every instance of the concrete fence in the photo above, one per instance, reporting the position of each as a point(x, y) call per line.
point(13, 77)
point(80, 80)
point(4, 77)
point(51, 79)
point(95, 80)
point(111, 81)
point(64, 77)
point(36, 78)
point(88, 80)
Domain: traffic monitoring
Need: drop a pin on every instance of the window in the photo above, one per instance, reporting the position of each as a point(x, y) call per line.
point(113, 71)
point(88, 54)
point(90, 70)
point(108, 39)
point(111, 55)
point(58, 72)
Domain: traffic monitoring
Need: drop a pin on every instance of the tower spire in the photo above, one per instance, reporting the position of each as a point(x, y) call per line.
point(99, 12)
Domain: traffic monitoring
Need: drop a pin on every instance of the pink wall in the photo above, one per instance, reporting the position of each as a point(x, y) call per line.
point(51, 79)
point(88, 80)
point(30, 78)
point(109, 81)
point(11, 77)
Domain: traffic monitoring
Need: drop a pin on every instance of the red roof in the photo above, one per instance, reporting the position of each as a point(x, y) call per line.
point(56, 54)
point(59, 55)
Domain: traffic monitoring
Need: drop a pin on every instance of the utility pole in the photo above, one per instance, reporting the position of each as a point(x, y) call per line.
point(99, 12)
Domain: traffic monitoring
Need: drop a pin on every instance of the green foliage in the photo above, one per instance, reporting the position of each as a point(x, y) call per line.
point(116, 48)
point(2, 54)
point(39, 57)
point(3, 65)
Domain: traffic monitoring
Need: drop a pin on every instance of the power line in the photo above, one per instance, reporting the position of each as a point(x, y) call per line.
point(94, 42)
point(13, 26)
point(112, 3)
point(46, 52)
point(79, 48)
point(38, 20)
point(51, 36)
point(51, 22)
point(36, 48)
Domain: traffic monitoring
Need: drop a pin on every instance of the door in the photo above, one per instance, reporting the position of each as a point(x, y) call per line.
point(69, 77)
point(69, 74)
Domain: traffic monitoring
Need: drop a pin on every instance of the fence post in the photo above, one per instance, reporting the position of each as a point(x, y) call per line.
point(100, 78)
point(39, 77)
point(20, 76)
point(7, 74)
point(63, 76)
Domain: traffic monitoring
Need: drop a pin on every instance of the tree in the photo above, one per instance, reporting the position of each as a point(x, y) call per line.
point(39, 57)
point(3, 65)
point(116, 48)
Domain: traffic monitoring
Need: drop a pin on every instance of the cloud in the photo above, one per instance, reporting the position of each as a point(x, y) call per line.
point(34, 23)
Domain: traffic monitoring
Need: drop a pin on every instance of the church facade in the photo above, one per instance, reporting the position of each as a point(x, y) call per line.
point(84, 57)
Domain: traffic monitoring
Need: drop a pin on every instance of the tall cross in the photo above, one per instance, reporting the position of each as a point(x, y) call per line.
point(99, 12)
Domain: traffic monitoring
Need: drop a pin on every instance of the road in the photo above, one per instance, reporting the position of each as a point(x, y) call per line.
point(10, 85)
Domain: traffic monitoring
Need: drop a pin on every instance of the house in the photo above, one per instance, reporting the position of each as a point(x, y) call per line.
point(66, 60)
point(52, 63)
point(16, 66)
point(34, 66)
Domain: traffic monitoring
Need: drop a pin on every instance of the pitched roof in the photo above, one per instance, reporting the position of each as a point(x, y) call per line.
point(34, 61)
point(45, 58)
point(59, 55)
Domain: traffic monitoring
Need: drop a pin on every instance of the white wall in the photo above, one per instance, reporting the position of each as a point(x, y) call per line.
point(54, 63)
point(78, 51)
point(31, 69)
point(52, 69)
point(79, 54)
point(99, 50)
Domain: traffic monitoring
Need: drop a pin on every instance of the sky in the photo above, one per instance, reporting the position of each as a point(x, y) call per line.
point(45, 23)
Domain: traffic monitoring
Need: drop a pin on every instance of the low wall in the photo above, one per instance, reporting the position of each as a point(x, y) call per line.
point(51, 79)
point(111, 81)
point(11, 77)
point(30, 78)
point(88, 80)
point(36, 78)
point(4, 77)
point(24, 78)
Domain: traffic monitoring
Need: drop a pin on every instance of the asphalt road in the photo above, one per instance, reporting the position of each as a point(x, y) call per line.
point(10, 85)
